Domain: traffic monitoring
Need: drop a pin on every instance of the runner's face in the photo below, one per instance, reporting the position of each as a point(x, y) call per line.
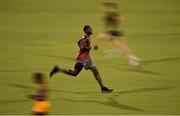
point(89, 30)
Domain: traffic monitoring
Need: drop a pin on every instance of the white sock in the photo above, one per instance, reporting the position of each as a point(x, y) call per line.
point(134, 60)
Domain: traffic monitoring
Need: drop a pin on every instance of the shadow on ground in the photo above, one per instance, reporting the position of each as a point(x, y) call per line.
point(111, 99)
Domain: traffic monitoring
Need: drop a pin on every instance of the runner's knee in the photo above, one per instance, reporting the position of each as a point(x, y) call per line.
point(95, 71)
point(75, 73)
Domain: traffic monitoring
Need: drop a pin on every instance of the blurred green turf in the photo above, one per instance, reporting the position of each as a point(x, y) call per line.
point(37, 34)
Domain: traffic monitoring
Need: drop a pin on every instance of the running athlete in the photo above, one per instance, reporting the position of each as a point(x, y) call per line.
point(114, 32)
point(42, 105)
point(83, 59)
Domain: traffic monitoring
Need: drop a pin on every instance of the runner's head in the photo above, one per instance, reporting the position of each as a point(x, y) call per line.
point(87, 29)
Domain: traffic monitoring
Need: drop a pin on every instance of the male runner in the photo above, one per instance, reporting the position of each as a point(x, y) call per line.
point(83, 59)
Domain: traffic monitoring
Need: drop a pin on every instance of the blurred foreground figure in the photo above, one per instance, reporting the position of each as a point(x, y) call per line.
point(42, 105)
point(83, 59)
point(114, 33)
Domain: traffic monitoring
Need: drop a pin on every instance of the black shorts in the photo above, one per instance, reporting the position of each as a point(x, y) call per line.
point(115, 33)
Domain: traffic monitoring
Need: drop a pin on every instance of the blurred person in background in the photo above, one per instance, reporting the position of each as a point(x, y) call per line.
point(114, 33)
point(41, 105)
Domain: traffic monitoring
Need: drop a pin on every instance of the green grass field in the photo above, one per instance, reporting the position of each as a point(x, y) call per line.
point(37, 34)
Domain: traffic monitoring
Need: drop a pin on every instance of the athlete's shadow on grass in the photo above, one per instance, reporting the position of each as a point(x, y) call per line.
point(120, 93)
point(111, 102)
point(141, 70)
point(112, 98)
point(161, 60)
point(13, 101)
point(22, 86)
point(92, 93)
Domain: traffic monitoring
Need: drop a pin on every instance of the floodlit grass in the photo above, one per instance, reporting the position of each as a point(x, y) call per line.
point(37, 34)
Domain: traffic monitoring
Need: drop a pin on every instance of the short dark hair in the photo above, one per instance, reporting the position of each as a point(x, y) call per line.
point(39, 77)
point(86, 27)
